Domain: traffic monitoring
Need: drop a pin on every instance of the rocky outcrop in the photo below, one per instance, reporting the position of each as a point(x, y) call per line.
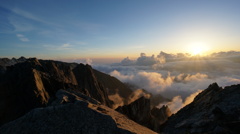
point(160, 115)
point(73, 113)
point(215, 110)
point(33, 83)
point(157, 99)
point(141, 112)
point(113, 85)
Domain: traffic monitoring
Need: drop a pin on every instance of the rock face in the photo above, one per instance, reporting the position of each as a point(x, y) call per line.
point(215, 110)
point(157, 99)
point(73, 113)
point(160, 115)
point(140, 111)
point(32, 83)
point(113, 85)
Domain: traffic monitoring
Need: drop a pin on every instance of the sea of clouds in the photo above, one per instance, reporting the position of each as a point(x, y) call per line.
point(179, 77)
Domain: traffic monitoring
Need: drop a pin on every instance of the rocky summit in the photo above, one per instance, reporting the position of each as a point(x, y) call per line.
point(213, 111)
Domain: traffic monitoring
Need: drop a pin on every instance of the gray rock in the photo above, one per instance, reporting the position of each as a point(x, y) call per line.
point(215, 110)
point(70, 118)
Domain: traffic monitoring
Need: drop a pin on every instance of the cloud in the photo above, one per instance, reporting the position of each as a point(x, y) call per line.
point(28, 15)
point(226, 54)
point(89, 61)
point(22, 37)
point(159, 60)
point(145, 60)
point(137, 94)
point(177, 76)
point(177, 102)
point(155, 82)
point(117, 99)
point(65, 46)
point(189, 77)
point(121, 77)
point(127, 62)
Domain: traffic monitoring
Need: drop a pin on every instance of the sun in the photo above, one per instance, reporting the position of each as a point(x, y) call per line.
point(198, 48)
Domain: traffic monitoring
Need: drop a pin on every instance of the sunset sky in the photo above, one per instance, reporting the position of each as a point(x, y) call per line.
point(115, 29)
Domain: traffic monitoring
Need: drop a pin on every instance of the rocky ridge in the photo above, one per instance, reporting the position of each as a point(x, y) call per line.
point(33, 83)
point(215, 110)
point(74, 113)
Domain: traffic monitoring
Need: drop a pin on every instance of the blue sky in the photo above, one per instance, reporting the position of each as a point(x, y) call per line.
point(59, 29)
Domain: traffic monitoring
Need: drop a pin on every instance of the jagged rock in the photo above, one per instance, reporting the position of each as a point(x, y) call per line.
point(140, 111)
point(74, 113)
point(161, 114)
point(113, 85)
point(157, 99)
point(215, 110)
point(87, 81)
point(31, 83)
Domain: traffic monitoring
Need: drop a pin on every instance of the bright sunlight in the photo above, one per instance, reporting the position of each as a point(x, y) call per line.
point(198, 48)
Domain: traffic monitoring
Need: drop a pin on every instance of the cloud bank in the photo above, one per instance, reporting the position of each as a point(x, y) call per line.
point(179, 77)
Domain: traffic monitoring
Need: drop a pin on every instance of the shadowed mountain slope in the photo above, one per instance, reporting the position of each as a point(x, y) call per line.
point(113, 85)
point(32, 83)
point(215, 110)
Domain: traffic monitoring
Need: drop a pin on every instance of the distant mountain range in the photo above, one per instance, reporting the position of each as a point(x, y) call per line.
point(45, 96)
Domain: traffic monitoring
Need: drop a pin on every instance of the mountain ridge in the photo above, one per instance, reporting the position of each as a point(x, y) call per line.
point(215, 110)
point(32, 83)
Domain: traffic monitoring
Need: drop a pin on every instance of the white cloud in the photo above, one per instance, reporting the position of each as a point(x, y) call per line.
point(177, 102)
point(177, 77)
point(155, 82)
point(122, 77)
point(65, 46)
point(22, 37)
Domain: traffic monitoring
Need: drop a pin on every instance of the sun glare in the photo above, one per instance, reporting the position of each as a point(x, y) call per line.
point(198, 48)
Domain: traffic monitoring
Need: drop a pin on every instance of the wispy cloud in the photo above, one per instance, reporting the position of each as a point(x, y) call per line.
point(28, 15)
point(20, 20)
point(22, 37)
point(65, 46)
